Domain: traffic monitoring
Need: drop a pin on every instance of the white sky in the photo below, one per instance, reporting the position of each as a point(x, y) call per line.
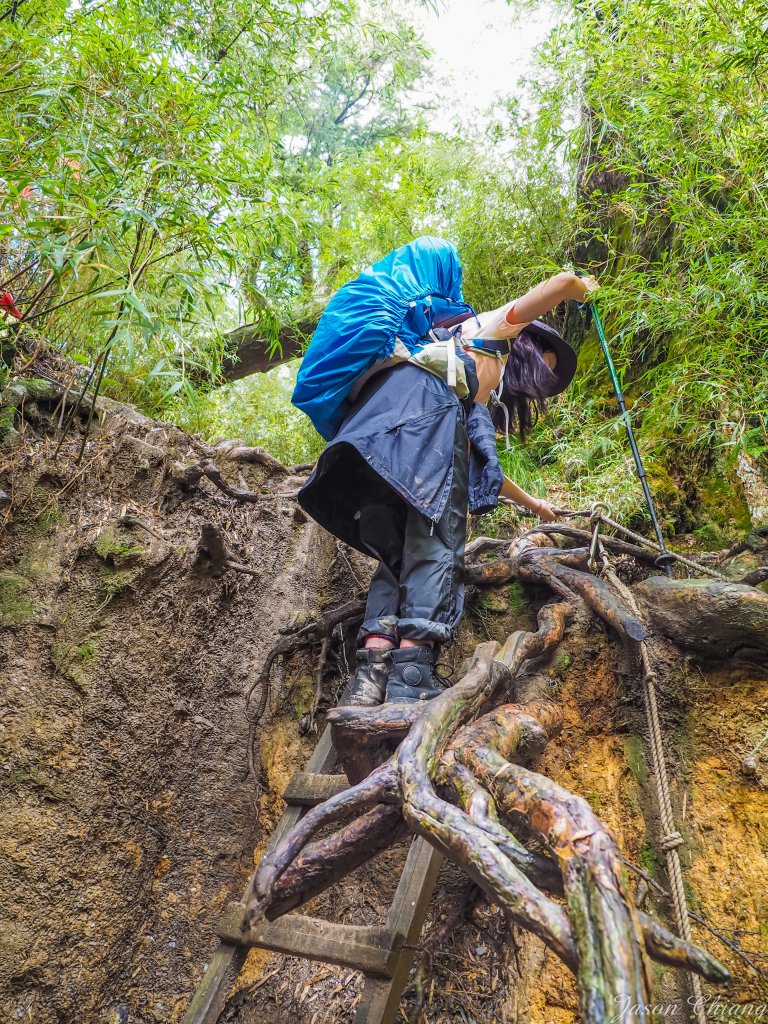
point(482, 48)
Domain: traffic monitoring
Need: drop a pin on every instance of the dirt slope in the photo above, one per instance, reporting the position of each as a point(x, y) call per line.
point(128, 820)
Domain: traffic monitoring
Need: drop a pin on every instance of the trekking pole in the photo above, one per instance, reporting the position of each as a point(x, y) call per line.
point(665, 559)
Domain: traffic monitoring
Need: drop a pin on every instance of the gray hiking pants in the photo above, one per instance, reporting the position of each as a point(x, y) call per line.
point(417, 591)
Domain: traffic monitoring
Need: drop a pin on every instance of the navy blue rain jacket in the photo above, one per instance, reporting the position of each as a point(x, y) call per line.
point(403, 427)
point(485, 474)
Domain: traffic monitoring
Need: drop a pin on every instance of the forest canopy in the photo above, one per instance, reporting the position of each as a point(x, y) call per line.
point(171, 170)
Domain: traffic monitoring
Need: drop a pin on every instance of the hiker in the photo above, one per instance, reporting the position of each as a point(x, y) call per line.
point(408, 459)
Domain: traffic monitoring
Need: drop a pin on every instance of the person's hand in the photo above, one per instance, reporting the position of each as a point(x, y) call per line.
point(591, 285)
point(545, 511)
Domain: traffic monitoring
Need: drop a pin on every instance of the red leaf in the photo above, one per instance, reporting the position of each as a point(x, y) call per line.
point(6, 303)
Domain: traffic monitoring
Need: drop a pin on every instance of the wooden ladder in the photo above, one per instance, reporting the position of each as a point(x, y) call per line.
point(384, 954)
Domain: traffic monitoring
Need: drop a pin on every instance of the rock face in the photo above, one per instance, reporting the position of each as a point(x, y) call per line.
point(720, 620)
point(127, 818)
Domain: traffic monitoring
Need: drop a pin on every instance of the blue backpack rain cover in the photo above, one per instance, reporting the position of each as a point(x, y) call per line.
point(400, 296)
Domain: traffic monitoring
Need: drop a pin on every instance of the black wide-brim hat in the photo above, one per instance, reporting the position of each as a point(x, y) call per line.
point(547, 338)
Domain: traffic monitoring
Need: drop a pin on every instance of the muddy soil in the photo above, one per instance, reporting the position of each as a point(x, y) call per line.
point(128, 820)
point(129, 814)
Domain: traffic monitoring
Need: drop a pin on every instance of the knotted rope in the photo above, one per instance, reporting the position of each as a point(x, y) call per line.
point(671, 839)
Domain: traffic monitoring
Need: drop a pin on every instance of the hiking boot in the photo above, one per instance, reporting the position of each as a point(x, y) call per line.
point(367, 687)
point(413, 677)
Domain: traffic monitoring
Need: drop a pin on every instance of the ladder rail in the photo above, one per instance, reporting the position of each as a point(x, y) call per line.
point(384, 954)
point(228, 959)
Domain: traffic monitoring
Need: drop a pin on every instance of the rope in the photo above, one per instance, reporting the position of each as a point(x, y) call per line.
point(604, 517)
point(671, 838)
point(639, 539)
point(599, 510)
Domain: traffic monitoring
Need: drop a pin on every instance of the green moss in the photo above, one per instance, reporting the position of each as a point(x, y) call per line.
point(48, 519)
point(593, 799)
point(721, 503)
point(710, 537)
point(302, 695)
point(87, 652)
point(518, 601)
point(669, 500)
point(494, 600)
point(73, 662)
point(15, 603)
point(36, 387)
point(633, 751)
point(115, 581)
point(111, 547)
point(18, 775)
point(8, 431)
point(561, 662)
point(649, 859)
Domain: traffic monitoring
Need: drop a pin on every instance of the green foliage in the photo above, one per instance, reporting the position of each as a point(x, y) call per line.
point(172, 170)
point(651, 174)
point(673, 204)
point(257, 409)
point(520, 464)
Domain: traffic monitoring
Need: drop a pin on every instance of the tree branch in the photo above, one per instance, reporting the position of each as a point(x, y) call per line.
point(255, 353)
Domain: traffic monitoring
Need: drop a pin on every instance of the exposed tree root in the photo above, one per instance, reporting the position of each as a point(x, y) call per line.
point(614, 544)
point(311, 633)
point(188, 476)
point(212, 551)
point(733, 946)
point(326, 861)
point(462, 783)
point(492, 574)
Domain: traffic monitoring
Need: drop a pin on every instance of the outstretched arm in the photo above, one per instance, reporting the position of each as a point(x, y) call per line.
point(539, 506)
point(547, 295)
point(508, 320)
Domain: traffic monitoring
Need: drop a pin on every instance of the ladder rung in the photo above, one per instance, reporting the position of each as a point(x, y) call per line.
point(310, 788)
point(372, 950)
